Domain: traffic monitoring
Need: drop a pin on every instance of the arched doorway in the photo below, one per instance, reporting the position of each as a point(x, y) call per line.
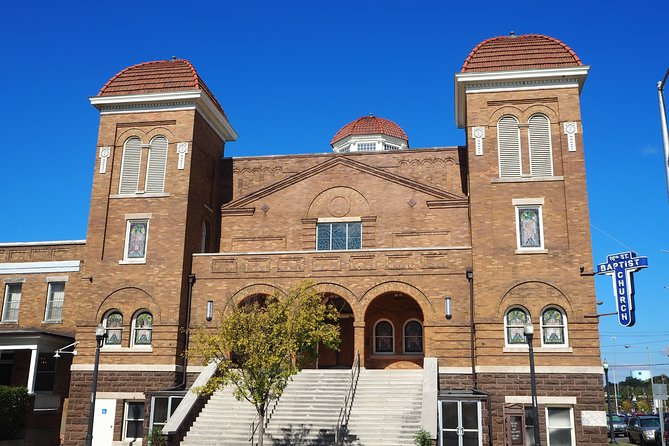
point(328, 358)
point(394, 334)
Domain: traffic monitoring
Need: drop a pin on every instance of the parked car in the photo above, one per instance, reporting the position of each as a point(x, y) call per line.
point(619, 425)
point(641, 429)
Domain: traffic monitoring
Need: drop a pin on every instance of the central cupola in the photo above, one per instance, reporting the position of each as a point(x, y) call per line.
point(370, 134)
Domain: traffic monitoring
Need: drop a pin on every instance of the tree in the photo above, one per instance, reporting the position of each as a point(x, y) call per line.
point(258, 347)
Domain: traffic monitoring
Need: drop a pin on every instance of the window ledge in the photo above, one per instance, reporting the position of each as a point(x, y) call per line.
point(53, 321)
point(118, 349)
point(9, 322)
point(132, 262)
point(531, 251)
point(515, 348)
point(556, 349)
point(395, 355)
point(525, 179)
point(160, 195)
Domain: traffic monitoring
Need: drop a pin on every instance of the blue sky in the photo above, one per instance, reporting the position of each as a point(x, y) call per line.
point(290, 74)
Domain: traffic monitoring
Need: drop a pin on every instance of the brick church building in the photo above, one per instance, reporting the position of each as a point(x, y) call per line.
point(438, 258)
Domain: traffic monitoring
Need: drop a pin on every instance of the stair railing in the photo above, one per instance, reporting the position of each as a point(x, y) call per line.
point(253, 427)
point(345, 410)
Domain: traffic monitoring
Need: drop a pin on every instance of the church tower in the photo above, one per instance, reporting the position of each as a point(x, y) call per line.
point(154, 203)
point(518, 98)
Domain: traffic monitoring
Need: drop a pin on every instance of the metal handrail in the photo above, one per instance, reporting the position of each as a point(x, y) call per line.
point(345, 411)
point(253, 427)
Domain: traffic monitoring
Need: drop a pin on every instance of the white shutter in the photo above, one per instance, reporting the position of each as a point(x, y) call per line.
point(155, 171)
point(508, 140)
point(132, 158)
point(541, 154)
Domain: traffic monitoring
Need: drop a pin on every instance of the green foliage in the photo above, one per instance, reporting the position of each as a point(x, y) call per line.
point(257, 346)
point(422, 438)
point(156, 437)
point(14, 407)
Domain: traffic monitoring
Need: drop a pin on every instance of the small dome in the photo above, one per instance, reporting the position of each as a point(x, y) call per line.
point(370, 125)
point(529, 51)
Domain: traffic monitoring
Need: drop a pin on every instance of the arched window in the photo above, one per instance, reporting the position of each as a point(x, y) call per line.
point(508, 141)
point(155, 169)
point(413, 337)
point(553, 327)
point(514, 324)
point(541, 153)
point(384, 339)
point(113, 323)
point(130, 166)
point(142, 328)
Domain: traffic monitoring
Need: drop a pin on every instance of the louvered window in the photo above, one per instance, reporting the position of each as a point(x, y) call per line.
point(508, 139)
point(130, 166)
point(155, 171)
point(541, 157)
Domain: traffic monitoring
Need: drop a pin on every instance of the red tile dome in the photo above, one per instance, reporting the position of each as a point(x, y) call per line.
point(529, 51)
point(370, 125)
point(160, 76)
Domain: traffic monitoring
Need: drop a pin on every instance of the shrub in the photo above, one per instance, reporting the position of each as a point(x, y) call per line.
point(422, 438)
point(156, 437)
point(14, 407)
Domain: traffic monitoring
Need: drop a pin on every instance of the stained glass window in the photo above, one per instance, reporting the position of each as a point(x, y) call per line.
point(383, 337)
point(529, 227)
point(143, 325)
point(413, 337)
point(114, 325)
point(331, 236)
point(552, 322)
point(515, 326)
point(136, 239)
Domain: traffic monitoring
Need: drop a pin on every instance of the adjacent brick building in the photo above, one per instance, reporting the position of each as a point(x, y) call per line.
point(443, 252)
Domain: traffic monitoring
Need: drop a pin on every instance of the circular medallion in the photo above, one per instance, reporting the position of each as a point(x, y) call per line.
point(478, 132)
point(570, 128)
point(104, 153)
point(339, 206)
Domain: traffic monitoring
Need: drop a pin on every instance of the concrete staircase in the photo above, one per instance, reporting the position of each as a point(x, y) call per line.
point(387, 408)
point(386, 411)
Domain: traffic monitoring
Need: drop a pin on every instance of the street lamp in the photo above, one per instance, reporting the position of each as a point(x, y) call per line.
point(615, 382)
point(100, 336)
point(529, 334)
point(650, 368)
point(612, 434)
point(663, 119)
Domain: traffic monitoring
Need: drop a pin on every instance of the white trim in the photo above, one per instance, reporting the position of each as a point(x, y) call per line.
point(32, 369)
point(125, 420)
point(128, 222)
point(527, 201)
point(60, 266)
point(571, 420)
point(422, 337)
point(174, 100)
point(520, 346)
point(133, 331)
point(56, 242)
point(542, 244)
point(525, 179)
point(521, 399)
point(120, 395)
point(129, 367)
point(455, 370)
point(566, 369)
point(392, 326)
point(56, 279)
point(534, 79)
point(350, 251)
point(565, 331)
point(140, 195)
point(339, 219)
point(550, 141)
point(144, 216)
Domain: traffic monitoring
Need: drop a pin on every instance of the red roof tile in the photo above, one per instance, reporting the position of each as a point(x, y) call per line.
point(520, 53)
point(159, 76)
point(370, 125)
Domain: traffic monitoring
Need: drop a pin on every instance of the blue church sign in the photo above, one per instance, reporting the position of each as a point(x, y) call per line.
point(620, 267)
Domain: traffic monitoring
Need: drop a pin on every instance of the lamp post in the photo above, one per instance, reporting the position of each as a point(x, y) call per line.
point(612, 434)
point(663, 119)
point(615, 382)
point(100, 336)
point(529, 334)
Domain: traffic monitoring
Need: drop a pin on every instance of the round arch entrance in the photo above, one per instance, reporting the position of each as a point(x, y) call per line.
point(329, 358)
point(394, 335)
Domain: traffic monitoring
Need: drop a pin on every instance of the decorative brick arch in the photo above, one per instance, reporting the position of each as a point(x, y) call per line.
point(128, 301)
point(398, 287)
point(503, 111)
point(534, 295)
point(250, 290)
point(540, 109)
point(144, 135)
point(338, 202)
point(344, 293)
